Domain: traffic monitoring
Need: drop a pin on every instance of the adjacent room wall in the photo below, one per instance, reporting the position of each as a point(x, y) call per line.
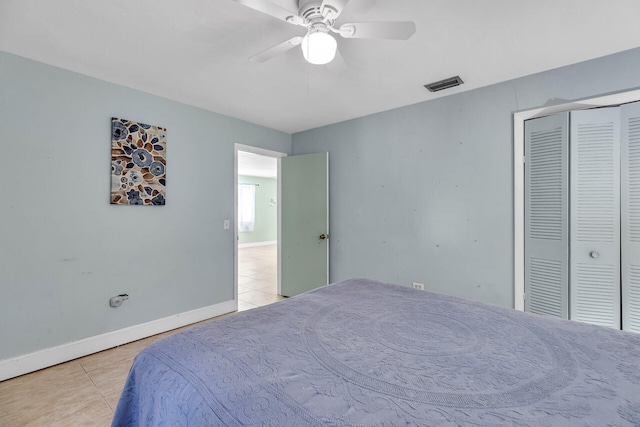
point(266, 223)
point(64, 250)
point(425, 193)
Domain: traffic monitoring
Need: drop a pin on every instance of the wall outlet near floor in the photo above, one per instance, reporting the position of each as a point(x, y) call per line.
point(419, 286)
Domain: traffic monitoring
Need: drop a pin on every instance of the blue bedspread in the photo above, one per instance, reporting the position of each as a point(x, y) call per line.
point(366, 353)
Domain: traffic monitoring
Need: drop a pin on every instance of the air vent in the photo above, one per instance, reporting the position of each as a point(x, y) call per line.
point(444, 84)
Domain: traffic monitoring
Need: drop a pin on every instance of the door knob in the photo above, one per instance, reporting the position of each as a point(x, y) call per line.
point(324, 236)
point(594, 254)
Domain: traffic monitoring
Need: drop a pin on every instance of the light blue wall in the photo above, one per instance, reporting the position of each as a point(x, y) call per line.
point(425, 193)
point(64, 250)
point(266, 220)
point(422, 193)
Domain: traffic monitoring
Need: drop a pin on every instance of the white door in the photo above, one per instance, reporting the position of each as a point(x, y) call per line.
point(575, 215)
point(546, 215)
point(304, 223)
point(594, 224)
point(630, 204)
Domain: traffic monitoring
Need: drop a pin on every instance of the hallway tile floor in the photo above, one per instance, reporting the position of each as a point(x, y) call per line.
point(257, 276)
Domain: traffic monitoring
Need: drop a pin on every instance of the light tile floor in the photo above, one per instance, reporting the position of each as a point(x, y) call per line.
point(85, 391)
point(257, 276)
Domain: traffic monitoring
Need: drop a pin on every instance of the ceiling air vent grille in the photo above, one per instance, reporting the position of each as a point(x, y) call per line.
point(444, 84)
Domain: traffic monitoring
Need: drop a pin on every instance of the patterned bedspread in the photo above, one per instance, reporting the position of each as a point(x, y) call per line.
point(366, 353)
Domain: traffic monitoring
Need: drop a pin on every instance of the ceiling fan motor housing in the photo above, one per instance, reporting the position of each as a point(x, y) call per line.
point(311, 13)
point(309, 8)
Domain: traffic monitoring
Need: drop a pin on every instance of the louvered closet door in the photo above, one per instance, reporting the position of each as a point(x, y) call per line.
point(594, 282)
point(630, 204)
point(546, 215)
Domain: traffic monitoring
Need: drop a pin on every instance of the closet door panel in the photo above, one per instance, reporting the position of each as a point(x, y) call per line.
point(630, 218)
point(546, 215)
point(594, 282)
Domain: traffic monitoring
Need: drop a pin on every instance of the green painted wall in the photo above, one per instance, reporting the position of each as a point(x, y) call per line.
point(266, 226)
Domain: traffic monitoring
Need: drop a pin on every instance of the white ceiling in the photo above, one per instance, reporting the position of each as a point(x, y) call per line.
point(252, 164)
point(195, 51)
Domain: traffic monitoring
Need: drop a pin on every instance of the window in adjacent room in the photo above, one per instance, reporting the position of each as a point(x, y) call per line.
point(246, 207)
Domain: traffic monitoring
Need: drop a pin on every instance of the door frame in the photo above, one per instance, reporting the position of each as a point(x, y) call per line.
point(519, 118)
point(262, 152)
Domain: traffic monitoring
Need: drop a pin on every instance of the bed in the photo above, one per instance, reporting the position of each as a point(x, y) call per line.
point(366, 353)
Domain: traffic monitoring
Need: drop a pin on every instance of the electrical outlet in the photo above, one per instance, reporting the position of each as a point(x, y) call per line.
point(226, 224)
point(419, 286)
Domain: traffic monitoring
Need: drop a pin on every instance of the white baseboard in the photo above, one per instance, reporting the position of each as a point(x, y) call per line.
point(10, 368)
point(252, 245)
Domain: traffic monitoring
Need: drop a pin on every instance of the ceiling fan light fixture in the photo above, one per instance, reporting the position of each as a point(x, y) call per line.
point(319, 47)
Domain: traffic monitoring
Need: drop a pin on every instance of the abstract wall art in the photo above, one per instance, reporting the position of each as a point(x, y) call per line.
point(138, 163)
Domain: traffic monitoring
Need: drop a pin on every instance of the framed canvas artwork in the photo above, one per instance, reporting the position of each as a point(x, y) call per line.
point(138, 163)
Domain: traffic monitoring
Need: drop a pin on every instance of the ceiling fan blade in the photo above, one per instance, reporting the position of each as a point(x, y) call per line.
point(378, 30)
point(274, 10)
point(276, 50)
point(331, 9)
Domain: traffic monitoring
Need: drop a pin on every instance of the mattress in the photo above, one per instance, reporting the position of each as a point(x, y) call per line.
point(361, 352)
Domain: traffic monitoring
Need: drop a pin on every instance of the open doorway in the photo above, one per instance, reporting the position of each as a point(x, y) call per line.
point(256, 188)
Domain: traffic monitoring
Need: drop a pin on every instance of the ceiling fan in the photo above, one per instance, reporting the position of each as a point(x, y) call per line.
point(318, 17)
